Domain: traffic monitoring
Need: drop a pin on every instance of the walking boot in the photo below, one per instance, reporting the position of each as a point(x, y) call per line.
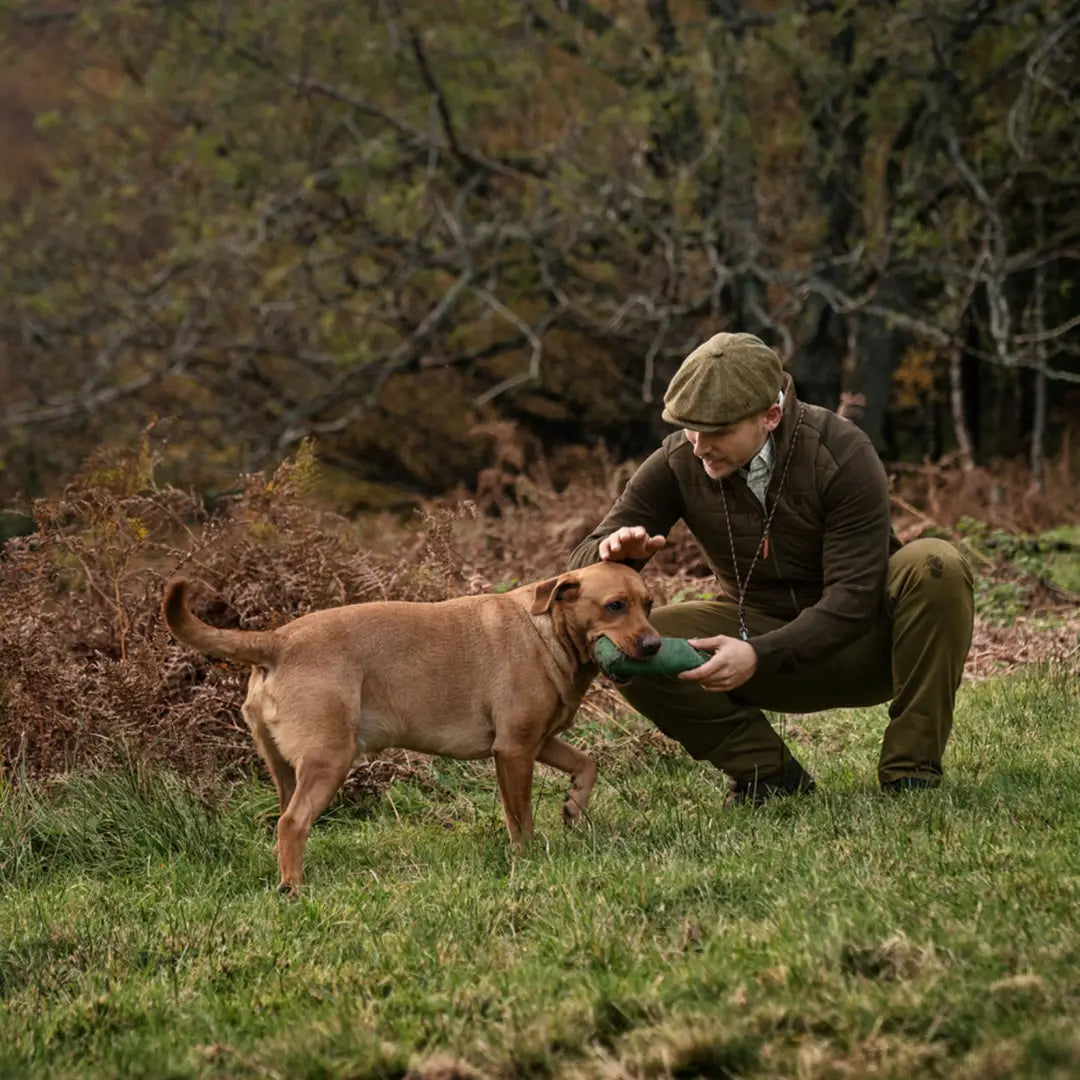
point(793, 779)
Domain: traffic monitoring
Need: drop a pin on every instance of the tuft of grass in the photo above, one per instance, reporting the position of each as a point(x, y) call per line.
point(844, 934)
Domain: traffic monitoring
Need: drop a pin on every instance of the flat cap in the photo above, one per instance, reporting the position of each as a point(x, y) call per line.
point(723, 381)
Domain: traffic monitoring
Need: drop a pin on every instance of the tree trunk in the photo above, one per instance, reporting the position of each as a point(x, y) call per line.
point(1038, 419)
point(956, 403)
point(879, 348)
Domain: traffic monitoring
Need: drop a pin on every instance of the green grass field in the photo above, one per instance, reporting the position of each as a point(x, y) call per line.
point(849, 934)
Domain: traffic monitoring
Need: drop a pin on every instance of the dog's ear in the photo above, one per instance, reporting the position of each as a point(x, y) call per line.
point(546, 593)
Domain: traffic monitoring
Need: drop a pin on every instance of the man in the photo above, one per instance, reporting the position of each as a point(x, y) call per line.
point(823, 609)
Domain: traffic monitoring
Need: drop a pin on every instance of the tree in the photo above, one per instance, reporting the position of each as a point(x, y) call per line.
point(380, 225)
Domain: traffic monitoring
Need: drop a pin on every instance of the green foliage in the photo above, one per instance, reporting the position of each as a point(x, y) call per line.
point(844, 934)
point(1061, 547)
point(1000, 601)
point(1051, 557)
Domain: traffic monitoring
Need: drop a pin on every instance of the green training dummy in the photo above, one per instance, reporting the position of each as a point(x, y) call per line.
point(674, 655)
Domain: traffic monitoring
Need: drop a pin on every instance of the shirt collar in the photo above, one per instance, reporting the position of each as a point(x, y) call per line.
point(762, 461)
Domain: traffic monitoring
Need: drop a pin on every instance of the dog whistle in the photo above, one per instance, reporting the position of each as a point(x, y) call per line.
point(765, 547)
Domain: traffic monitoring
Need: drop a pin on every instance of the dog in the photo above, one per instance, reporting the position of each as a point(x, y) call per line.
point(498, 675)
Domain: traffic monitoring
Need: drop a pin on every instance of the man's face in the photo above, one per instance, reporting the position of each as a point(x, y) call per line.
point(725, 451)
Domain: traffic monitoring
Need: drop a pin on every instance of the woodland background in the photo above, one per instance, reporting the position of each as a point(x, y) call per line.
point(449, 236)
point(325, 302)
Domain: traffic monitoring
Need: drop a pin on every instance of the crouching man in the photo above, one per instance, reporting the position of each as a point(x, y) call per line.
point(823, 609)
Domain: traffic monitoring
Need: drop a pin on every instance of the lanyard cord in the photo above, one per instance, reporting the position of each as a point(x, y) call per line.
point(763, 544)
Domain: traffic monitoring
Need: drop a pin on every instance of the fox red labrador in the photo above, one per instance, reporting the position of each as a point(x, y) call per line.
point(498, 675)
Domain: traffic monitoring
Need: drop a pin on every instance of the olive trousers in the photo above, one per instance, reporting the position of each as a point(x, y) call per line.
point(912, 656)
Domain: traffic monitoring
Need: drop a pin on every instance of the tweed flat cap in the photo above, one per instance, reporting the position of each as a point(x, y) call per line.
point(723, 381)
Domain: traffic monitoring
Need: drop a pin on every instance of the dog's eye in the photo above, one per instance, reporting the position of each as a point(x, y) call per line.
point(615, 607)
point(648, 607)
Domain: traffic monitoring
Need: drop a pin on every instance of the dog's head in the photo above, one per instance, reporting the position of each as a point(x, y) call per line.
point(606, 599)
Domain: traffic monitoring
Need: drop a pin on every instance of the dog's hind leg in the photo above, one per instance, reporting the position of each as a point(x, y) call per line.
point(259, 711)
point(309, 730)
point(318, 777)
point(283, 774)
point(582, 770)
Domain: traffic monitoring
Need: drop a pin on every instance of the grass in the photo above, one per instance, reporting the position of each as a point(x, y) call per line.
point(849, 934)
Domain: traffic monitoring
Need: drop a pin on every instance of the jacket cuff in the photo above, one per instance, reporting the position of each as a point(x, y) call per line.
point(773, 656)
point(588, 552)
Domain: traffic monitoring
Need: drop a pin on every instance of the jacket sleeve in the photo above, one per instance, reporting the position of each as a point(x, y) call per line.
point(855, 558)
point(651, 498)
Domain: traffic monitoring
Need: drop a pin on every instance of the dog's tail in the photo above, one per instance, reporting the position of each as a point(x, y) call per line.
point(244, 646)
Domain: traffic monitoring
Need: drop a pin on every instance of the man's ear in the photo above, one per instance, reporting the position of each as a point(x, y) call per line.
point(546, 593)
point(773, 415)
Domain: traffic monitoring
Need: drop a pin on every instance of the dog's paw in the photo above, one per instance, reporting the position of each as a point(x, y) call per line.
point(571, 812)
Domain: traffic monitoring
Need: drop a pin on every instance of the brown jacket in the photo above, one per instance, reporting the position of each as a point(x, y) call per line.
point(829, 544)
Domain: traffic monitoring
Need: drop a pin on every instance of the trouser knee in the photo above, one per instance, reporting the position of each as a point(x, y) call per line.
point(933, 568)
point(689, 715)
point(675, 620)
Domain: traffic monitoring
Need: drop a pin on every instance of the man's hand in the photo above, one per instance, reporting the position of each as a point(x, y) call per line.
point(629, 542)
point(733, 662)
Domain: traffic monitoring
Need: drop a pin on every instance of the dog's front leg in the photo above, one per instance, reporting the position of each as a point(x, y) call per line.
point(582, 770)
point(514, 768)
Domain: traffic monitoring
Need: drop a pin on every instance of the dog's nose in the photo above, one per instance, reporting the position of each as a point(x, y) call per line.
point(649, 645)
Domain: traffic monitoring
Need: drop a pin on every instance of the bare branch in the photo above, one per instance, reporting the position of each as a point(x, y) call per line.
point(67, 407)
point(534, 337)
point(440, 101)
